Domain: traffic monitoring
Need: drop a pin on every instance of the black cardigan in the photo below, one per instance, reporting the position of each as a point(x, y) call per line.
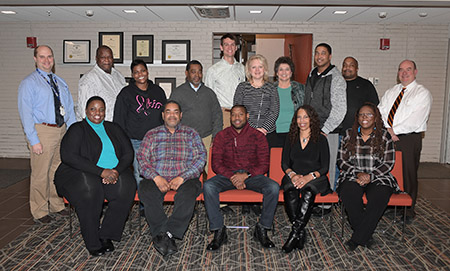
point(81, 148)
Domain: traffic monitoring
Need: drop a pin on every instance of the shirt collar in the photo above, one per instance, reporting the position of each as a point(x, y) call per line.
point(411, 85)
point(195, 88)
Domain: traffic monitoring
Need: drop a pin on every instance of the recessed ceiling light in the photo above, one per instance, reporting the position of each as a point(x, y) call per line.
point(130, 11)
point(340, 12)
point(9, 12)
point(255, 11)
point(423, 14)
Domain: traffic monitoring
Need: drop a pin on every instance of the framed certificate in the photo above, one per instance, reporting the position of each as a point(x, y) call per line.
point(176, 51)
point(167, 84)
point(143, 48)
point(113, 40)
point(76, 51)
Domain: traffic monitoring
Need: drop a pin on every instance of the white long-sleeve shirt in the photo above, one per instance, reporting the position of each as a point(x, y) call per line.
point(223, 79)
point(97, 82)
point(412, 113)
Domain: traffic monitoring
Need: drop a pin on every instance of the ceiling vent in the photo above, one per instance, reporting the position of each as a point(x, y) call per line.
point(213, 12)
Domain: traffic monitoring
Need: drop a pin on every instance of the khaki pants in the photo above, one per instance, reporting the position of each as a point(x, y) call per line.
point(207, 142)
point(43, 196)
point(226, 117)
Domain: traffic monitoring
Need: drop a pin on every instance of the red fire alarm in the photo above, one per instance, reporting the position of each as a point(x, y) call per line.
point(384, 44)
point(31, 42)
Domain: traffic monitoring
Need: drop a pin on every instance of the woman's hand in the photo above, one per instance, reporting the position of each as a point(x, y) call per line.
point(363, 178)
point(109, 176)
point(262, 130)
point(299, 180)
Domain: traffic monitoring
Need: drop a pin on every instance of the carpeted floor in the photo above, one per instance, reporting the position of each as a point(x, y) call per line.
point(426, 247)
point(12, 176)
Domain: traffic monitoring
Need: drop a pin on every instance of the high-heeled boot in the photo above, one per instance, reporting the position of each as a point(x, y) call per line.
point(297, 236)
point(291, 202)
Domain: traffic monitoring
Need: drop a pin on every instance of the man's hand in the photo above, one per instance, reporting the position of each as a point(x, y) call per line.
point(109, 176)
point(162, 184)
point(37, 148)
point(393, 135)
point(238, 180)
point(363, 178)
point(176, 182)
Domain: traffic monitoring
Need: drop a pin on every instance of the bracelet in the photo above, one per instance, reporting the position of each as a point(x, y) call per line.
point(289, 174)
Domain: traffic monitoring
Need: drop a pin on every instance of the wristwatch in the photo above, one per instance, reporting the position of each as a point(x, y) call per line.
point(290, 174)
point(313, 175)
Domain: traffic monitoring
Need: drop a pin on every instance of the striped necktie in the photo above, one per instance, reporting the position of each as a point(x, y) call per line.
point(395, 106)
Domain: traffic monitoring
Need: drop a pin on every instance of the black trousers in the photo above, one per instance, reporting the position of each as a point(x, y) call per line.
point(410, 145)
point(364, 221)
point(184, 203)
point(86, 192)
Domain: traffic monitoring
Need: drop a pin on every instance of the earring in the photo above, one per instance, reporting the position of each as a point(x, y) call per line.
point(359, 129)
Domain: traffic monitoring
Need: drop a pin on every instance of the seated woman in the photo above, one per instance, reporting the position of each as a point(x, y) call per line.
point(305, 160)
point(366, 158)
point(96, 156)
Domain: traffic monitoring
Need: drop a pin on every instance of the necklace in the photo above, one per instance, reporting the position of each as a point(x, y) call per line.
point(305, 139)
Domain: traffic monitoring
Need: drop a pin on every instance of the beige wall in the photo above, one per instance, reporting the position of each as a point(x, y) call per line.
point(427, 45)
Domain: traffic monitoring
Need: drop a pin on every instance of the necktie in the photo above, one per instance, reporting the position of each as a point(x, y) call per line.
point(395, 106)
point(58, 117)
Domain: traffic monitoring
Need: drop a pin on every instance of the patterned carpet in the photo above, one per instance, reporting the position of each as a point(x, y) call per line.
point(426, 247)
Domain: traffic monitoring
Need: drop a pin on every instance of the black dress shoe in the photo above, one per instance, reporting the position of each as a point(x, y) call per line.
point(301, 240)
point(220, 237)
point(171, 245)
point(97, 252)
point(107, 245)
point(261, 235)
point(350, 245)
point(44, 220)
point(160, 243)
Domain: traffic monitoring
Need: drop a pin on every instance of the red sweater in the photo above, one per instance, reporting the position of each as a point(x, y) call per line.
point(247, 150)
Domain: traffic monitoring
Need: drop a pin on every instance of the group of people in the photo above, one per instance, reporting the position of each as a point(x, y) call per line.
point(238, 115)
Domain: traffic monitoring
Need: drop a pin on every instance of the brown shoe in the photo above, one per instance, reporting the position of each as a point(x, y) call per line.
point(64, 212)
point(44, 220)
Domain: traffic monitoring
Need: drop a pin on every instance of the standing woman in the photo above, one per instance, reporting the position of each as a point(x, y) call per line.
point(259, 96)
point(138, 108)
point(96, 156)
point(366, 158)
point(291, 95)
point(305, 160)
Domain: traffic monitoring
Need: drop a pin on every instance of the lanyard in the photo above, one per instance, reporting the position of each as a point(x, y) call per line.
point(55, 81)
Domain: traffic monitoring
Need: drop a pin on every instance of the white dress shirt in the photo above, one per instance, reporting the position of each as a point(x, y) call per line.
point(97, 82)
point(223, 79)
point(412, 113)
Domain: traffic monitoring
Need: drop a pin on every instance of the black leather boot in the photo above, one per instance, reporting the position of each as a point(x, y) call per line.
point(260, 234)
point(297, 236)
point(220, 237)
point(291, 202)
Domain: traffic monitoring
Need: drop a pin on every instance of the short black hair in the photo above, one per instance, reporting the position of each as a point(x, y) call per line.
point(103, 47)
point(284, 60)
point(172, 102)
point(326, 45)
point(241, 106)
point(231, 37)
point(138, 62)
point(193, 62)
point(95, 98)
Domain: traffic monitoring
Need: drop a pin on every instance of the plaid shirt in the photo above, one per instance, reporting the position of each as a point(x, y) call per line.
point(168, 155)
point(365, 160)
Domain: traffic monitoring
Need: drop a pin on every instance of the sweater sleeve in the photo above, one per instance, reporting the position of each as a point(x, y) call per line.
point(343, 163)
point(271, 115)
point(261, 165)
point(126, 149)
point(217, 157)
point(286, 155)
point(120, 111)
point(198, 160)
point(324, 155)
point(239, 94)
point(338, 110)
point(217, 115)
point(388, 159)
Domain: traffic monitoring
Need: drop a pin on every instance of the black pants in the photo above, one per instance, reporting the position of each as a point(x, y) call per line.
point(364, 221)
point(410, 145)
point(184, 203)
point(86, 193)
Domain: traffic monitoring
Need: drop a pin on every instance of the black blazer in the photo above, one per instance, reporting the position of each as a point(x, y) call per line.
point(81, 148)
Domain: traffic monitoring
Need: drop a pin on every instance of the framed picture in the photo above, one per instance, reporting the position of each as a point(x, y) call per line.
point(167, 84)
point(176, 51)
point(143, 48)
point(77, 51)
point(113, 40)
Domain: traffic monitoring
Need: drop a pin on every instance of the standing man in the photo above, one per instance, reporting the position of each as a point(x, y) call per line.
point(172, 157)
point(325, 91)
point(224, 76)
point(46, 110)
point(201, 107)
point(240, 158)
point(405, 109)
point(102, 80)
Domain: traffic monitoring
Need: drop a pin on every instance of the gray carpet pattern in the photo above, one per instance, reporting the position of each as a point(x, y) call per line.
point(426, 246)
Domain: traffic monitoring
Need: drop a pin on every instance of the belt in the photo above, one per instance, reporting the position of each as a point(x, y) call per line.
point(50, 124)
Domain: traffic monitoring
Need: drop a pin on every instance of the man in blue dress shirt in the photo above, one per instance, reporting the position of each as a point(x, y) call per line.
point(46, 111)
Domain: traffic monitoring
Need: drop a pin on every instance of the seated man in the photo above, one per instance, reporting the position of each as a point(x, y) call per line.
point(240, 158)
point(171, 157)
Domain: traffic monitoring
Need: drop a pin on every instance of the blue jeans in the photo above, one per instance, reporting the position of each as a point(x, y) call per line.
point(136, 143)
point(259, 183)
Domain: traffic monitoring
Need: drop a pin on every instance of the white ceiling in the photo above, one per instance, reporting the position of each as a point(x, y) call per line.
point(438, 12)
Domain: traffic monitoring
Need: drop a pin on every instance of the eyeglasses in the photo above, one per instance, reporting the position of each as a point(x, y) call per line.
point(369, 115)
